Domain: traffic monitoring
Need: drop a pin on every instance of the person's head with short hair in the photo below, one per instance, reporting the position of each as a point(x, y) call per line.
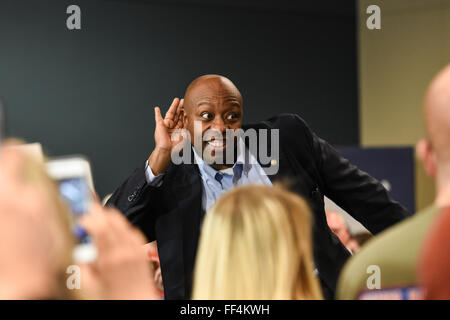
point(256, 244)
point(434, 263)
point(434, 150)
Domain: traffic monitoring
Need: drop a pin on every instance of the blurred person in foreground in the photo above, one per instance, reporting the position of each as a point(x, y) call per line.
point(388, 262)
point(151, 252)
point(36, 240)
point(256, 244)
point(434, 263)
point(35, 236)
point(121, 270)
point(168, 201)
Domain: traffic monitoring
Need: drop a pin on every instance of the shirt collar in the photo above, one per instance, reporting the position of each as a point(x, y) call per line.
point(239, 167)
point(206, 171)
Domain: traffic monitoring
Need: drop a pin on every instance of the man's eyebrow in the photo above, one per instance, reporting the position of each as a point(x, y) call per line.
point(231, 98)
point(234, 101)
point(203, 103)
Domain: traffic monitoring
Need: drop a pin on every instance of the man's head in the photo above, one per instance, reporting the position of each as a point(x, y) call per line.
point(216, 103)
point(338, 226)
point(434, 151)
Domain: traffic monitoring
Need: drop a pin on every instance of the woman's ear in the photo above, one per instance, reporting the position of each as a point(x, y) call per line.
point(427, 155)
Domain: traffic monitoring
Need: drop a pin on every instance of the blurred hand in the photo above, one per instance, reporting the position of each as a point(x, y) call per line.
point(173, 120)
point(353, 246)
point(30, 238)
point(121, 270)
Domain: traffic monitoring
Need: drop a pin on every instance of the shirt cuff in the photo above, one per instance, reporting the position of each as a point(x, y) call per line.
point(152, 180)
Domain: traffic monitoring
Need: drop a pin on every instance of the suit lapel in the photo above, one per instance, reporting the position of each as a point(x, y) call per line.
point(187, 191)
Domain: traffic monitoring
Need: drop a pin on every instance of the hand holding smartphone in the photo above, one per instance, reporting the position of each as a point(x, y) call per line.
point(74, 178)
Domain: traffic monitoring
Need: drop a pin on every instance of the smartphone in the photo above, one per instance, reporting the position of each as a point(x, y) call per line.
point(74, 179)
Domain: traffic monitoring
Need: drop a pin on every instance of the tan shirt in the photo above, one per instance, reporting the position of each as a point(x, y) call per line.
point(395, 252)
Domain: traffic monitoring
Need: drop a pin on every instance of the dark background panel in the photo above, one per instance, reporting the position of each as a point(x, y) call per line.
point(396, 174)
point(92, 91)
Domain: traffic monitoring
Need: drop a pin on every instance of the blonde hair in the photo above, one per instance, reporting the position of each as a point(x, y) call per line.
point(32, 173)
point(256, 244)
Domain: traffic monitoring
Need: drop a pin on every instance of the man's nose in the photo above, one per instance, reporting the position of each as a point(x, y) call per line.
point(219, 125)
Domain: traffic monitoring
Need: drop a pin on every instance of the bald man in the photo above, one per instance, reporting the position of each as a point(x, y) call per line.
point(167, 199)
point(395, 252)
point(434, 262)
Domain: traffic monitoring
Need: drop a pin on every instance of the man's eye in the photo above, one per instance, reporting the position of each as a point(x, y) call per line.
point(232, 116)
point(206, 116)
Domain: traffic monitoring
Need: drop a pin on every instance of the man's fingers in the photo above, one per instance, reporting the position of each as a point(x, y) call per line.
point(169, 123)
point(126, 234)
point(98, 226)
point(179, 124)
point(95, 196)
point(158, 116)
point(170, 115)
point(179, 111)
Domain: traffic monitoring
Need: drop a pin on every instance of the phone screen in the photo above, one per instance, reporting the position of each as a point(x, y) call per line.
point(73, 178)
point(76, 194)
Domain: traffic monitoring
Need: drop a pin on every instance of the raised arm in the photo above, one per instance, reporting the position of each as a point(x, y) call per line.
point(139, 196)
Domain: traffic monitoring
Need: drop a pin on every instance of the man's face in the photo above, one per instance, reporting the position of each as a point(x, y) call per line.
point(217, 106)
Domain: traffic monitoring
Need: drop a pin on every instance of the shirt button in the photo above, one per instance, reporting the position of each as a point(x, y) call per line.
point(273, 162)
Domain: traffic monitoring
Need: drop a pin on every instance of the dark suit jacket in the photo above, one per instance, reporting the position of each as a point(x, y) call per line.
point(172, 213)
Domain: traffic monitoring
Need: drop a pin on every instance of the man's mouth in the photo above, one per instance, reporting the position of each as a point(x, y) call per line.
point(217, 144)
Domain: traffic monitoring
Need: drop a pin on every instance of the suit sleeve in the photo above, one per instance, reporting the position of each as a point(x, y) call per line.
point(137, 200)
point(359, 194)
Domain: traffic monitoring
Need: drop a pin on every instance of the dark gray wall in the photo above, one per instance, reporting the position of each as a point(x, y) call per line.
point(92, 91)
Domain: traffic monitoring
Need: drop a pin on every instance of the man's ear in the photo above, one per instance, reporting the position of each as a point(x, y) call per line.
point(185, 118)
point(427, 155)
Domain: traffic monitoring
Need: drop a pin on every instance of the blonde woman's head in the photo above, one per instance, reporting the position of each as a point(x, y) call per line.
point(256, 244)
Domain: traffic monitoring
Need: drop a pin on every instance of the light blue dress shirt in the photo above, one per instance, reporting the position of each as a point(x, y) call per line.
point(216, 183)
